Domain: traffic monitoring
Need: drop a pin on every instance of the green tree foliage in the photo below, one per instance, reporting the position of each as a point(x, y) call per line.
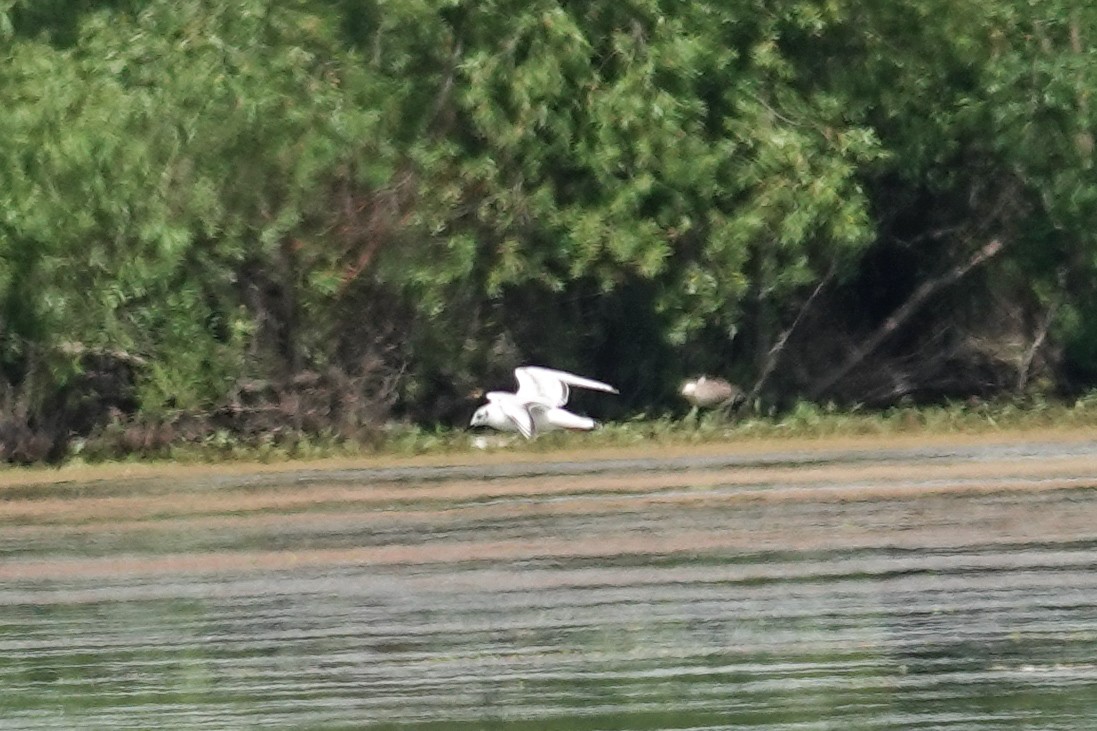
point(406, 198)
point(159, 172)
point(1042, 122)
point(594, 151)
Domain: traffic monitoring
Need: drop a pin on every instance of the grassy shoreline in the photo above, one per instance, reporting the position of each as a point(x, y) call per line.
point(806, 427)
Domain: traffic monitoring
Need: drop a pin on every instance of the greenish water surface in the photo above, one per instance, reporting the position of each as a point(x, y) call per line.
point(583, 607)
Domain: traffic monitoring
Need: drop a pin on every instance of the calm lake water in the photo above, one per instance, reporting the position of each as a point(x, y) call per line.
point(907, 589)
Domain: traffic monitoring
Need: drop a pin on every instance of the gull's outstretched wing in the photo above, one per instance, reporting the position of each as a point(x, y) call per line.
point(547, 418)
point(549, 386)
point(514, 411)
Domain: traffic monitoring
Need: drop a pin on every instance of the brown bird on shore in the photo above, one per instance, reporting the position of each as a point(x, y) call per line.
point(705, 393)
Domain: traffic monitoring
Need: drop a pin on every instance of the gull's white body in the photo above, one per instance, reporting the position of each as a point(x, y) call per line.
point(537, 405)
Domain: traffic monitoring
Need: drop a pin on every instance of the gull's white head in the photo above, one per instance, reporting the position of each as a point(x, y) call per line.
point(503, 416)
point(493, 414)
point(484, 414)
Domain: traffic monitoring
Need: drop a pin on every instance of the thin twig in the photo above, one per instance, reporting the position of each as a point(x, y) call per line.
point(774, 354)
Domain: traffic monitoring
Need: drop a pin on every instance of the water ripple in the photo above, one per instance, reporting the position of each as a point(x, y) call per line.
point(630, 595)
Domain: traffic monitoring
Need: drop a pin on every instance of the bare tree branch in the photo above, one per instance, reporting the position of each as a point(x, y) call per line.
point(1024, 369)
point(77, 349)
point(901, 315)
point(774, 354)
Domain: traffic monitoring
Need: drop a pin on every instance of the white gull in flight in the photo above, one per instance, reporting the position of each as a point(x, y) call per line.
point(537, 405)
